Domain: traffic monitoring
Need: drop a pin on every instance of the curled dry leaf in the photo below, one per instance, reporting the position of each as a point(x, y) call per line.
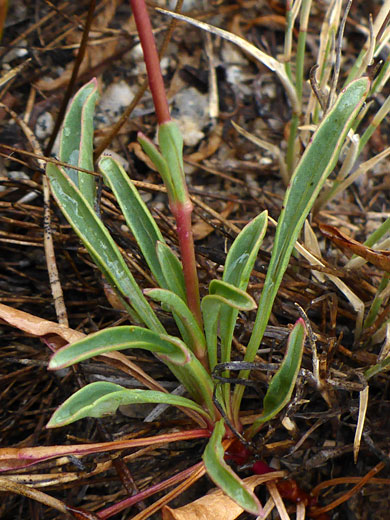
point(55, 334)
point(380, 259)
point(216, 505)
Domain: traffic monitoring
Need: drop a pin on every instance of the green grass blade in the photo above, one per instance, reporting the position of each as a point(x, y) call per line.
point(377, 302)
point(77, 139)
point(103, 398)
point(383, 366)
point(100, 245)
point(316, 164)
point(224, 477)
point(136, 213)
point(282, 384)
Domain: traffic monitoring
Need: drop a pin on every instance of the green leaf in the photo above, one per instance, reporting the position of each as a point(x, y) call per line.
point(103, 398)
point(158, 160)
point(211, 307)
point(282, 384)
point(316, 164)
point(77, 139)
point(171, 146)
point(100, 246)
point(243, 252)
point(238, 267)
point(222, 294)
point(136, 213)
point(180, 360)
point(120, 338)
point(175, 304)
point(233, 296)
point(174, 281)
point(172, 270)
point(224, 477)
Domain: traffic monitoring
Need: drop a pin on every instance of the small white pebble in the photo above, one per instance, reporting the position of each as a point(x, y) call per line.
point(115, 99)
point(44, 126)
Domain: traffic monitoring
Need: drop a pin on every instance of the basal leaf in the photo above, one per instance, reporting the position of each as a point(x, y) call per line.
point(180, 360)
point(221, 295)
point(175, 304)
point(316, 164)
point(282, 384)
point(243, 252)
point(136, 213)
point(238, 267)
point(103, 398)
point(100, 245)
point(77, 139)
point(172, 270)
point(236, 298)
point(121, 338)
point(224, 477)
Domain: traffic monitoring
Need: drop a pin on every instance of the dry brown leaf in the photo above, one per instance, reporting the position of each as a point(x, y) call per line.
point(380, 259)
point(53, 332)
point(216, 505)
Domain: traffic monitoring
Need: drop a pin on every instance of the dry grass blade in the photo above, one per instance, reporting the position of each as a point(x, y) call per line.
point(273, 490)
point(270, 62)
point(16, 487)
point(54, 277)
point(301, 511)
point(159, 504)
point(13, 72)
point(363, 481)
point(363, 403)
point(355, 301)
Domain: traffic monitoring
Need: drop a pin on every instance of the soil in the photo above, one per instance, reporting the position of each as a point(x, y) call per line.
point(313, 438)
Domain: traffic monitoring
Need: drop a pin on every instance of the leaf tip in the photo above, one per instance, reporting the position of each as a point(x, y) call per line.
point(300, 321)
point(54, 364)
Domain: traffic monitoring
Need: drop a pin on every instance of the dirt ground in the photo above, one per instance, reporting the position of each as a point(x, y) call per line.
point(231, 177)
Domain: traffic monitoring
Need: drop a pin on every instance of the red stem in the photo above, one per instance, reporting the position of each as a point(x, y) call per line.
point(182, 214)
point(128, 502)
point(151, 59)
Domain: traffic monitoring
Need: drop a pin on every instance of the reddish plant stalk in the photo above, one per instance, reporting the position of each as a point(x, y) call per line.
point(128, 502)
point(182, 213)
point(151, 59)
point(181, 209)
